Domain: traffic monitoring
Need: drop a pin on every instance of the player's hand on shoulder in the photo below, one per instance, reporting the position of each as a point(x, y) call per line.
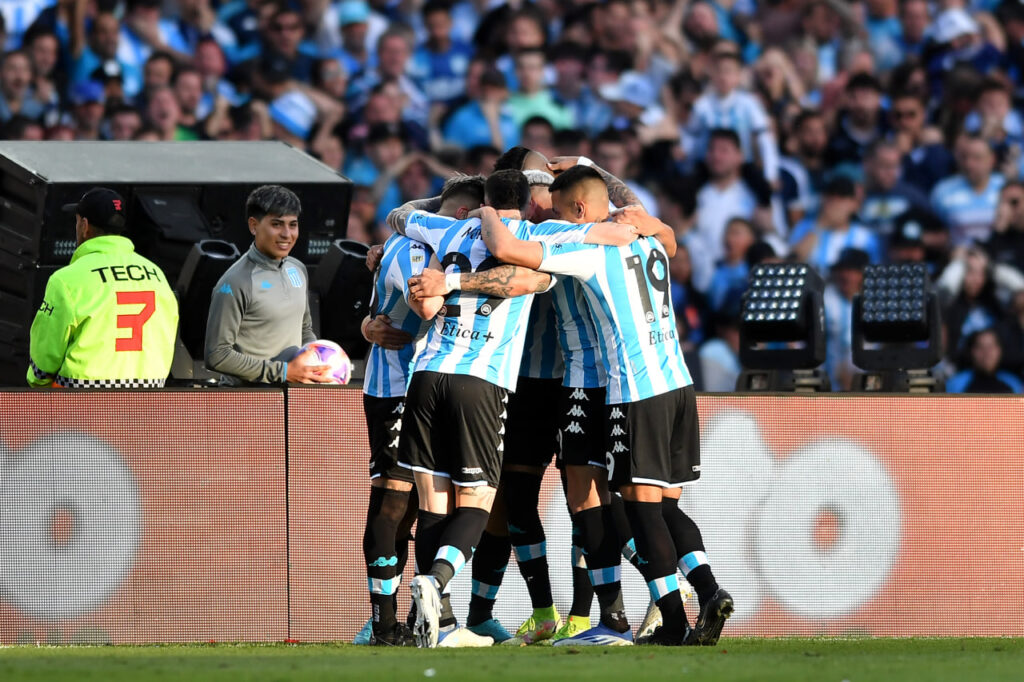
point(429, 283)
point(299, 371)
point(373, 256)
point(380, 332)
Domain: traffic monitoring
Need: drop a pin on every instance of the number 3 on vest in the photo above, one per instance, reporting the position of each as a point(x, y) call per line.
point(147, 299)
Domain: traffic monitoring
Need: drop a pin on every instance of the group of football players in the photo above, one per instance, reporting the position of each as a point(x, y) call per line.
point(515, 318)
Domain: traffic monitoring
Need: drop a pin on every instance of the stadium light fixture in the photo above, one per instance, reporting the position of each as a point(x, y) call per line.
point(782, 330)
point(897, 329)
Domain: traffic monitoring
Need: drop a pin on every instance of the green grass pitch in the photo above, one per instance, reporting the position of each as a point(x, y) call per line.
point(789, 659)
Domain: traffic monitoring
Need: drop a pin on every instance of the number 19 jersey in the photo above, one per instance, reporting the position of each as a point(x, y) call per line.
point(627, 288)
point(477, 334)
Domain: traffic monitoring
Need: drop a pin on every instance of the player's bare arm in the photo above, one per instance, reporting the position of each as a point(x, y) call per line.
point(378, 330)
point(504, 281)
point(612, 234)
point(504, 245)
point(648, 226)
point(397, 218)
point(618, 193)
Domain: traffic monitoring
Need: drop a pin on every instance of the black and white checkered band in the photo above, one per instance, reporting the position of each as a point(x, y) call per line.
point(40, 374)
point(110, 383)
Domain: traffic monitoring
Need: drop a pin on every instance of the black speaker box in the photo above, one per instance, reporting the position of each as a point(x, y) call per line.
point(177, 193)
point(344, 286)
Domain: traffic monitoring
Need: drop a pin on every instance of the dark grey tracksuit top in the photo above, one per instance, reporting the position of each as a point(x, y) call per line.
point(259, 317)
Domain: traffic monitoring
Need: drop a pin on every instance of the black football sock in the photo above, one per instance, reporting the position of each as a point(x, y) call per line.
point(601, 544)
point(489, 563)
point(447, 617)
point(404, 535)
point(383, 515)
point(527, 534)
point(429, 528)
point(657, 558)
point(455, 547)
point(693, 561)
point(582, 589)
point(626, 541)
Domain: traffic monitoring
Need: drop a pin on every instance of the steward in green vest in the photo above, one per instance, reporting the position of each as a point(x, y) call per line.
point(109, 319)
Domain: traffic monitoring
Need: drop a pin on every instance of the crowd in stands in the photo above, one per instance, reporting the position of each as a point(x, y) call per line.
point(833, 132)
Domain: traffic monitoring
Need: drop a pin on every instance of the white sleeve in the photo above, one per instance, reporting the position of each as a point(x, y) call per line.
point(577, 260)
point(427, 228)
point(555, 232)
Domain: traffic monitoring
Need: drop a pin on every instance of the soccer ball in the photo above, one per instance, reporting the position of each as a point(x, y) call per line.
point(329, 353)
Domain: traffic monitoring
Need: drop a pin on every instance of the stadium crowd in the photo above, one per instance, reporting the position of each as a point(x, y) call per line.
point(832, 132)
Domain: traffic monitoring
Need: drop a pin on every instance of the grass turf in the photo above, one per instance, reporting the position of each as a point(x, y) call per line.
point(852, 659)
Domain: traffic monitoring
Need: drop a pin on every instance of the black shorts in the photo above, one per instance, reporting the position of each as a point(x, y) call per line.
point(654, 441)
point(452, 427)
point(581, 429)
point(531, 432)
point(384, 425)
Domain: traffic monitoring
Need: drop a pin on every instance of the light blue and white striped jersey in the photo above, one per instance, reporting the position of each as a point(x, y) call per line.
point(475, 334)
point(578, 337)
point(742, 112)
point(630, 297)
point(387, 371)
point(542, 356)
point(968, 214)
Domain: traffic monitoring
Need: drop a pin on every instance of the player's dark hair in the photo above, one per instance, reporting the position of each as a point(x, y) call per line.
point(273, 200)
point(469, 186)
point(507, 190)
point(573, 177)
point(512, 159)
point(725, 134)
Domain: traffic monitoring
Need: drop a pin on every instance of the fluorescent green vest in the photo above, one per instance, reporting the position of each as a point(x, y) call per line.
point(107, 320)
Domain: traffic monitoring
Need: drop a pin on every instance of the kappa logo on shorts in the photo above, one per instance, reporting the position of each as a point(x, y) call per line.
point(616, 414)
point(399, 408)
point(472, 470)
point(619, 447)
point(618, 431)
point(576, 411)
point(574, 427)
point(579, 394)
point(397, 426)
point(394, 443)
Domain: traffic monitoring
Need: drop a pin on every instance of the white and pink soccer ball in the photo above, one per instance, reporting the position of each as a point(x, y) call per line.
point(329, 353)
